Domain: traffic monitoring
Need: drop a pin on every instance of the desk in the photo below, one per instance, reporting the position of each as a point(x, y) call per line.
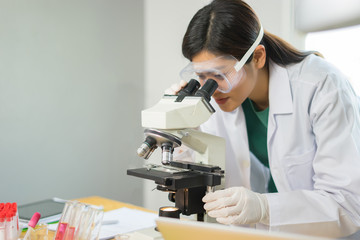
point(108, 205)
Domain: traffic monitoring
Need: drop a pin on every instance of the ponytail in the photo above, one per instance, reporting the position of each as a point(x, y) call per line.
point(281, 52)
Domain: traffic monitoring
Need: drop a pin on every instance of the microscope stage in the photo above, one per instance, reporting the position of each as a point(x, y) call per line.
point(176, 178)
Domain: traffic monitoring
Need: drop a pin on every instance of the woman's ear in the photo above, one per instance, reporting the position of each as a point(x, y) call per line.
point(259, 56)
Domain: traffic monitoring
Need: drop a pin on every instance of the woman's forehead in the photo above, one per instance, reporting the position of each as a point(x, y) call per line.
point(203, 56)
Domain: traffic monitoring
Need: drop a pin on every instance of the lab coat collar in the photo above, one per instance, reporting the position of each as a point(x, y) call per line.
point(280, 97)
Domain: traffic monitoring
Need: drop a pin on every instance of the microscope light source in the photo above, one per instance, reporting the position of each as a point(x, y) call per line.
point(172, 212)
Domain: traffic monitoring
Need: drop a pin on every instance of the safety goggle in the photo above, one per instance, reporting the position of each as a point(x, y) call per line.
point(226, 70)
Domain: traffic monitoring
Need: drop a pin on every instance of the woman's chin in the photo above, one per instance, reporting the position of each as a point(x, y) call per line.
point(228, 107)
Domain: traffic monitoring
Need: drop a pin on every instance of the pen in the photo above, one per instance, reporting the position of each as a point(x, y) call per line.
point(31, 226)
point(59, 200)
point(109, 222)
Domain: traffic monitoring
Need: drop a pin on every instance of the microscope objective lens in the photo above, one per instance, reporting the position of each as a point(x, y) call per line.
point(142, 150)
point(167, 153)
point(167, 157)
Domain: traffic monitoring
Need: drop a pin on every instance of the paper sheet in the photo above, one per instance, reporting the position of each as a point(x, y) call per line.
point(128, 220)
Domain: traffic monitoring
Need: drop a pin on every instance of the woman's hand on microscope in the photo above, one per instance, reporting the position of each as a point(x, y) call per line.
point(175, 88)
point(237, 205)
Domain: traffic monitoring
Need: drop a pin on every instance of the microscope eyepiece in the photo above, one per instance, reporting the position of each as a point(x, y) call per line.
point(192, 86)
point(207, 90)
point(188, 90)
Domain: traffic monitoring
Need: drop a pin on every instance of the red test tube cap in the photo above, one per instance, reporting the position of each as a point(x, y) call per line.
point(14, 206)
point(2, 217)
point(7, 206)
point(9, 216)
point(34, 220)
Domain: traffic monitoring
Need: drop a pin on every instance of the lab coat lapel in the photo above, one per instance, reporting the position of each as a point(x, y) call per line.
point(236, 124)
point(245, 147)
point(280, 98)
point(280, 103)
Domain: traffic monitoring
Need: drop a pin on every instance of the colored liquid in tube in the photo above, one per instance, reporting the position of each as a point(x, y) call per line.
point(61, 231)
point(70, 233)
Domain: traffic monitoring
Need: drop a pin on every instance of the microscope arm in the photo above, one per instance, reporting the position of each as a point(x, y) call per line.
point(209, 149)
point(190, 139)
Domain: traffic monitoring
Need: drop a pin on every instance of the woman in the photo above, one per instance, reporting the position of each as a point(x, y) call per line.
point(291, 124)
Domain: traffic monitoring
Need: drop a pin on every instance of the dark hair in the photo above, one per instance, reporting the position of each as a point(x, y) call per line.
point(231, 27)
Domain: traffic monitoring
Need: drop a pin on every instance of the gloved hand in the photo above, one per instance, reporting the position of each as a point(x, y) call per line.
point(237, 205)
point(175, 88)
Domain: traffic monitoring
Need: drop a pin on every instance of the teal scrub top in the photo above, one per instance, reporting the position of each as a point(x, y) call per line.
point(256, 124)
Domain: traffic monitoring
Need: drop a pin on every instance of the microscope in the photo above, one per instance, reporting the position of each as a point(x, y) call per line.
point(171, 123)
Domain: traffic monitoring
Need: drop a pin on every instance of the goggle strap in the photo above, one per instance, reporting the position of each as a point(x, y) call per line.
point(246, 56)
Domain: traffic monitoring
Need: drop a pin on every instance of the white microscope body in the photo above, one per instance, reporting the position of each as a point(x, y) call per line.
point(171, 123)
point(180, 120)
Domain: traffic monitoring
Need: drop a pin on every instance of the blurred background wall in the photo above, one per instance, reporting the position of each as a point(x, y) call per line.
point(71, 90)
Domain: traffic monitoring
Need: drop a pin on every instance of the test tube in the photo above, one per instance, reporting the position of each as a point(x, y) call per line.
point(91, 223)
point(9, 226)
point(69, 233)
point(40, 233)
point(79, 221)
point(64, 221)
point(86, 223)
point(16, 218)
point(2, 227)
point(96, 225)
point(74, 221)
point(9, 221)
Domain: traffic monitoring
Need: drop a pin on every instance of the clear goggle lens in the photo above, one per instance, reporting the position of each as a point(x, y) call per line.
point(225, 70)
point(221, 69)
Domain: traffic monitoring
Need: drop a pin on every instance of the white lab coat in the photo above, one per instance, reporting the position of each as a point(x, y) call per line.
point(313, 145)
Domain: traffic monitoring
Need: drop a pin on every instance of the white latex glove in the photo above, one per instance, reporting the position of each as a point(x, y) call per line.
point(237, 205)
point(175, 88)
